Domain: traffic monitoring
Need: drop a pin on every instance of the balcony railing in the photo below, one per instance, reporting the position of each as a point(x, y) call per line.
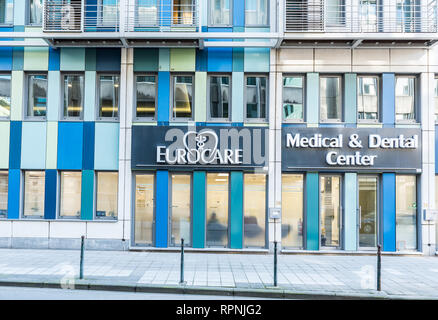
point(399, 16)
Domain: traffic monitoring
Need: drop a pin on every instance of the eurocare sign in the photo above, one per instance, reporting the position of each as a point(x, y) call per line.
point(359, 149)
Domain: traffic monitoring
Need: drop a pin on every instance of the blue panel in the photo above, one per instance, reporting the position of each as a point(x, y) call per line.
point(6, 58)
point(220, 59)
point(70, 137)
point(388, 99)
point(199, 205)
point(166, 10)
point(312, 206)
point(238, 13)
point(108, 59)
point(15, 145)
point(88, 155)
point(201, 60)
point(17, 58)
point(162, 209)
point(163, 96)
point(14, 194)
point(388, 211)
point(238, 54)
point(50, 194)
point(54, 59)
point(236, 204)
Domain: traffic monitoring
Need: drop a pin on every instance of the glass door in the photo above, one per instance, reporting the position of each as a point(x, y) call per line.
point(144, 210)
point(181, 209)
point(368, 211)
point(330, 211)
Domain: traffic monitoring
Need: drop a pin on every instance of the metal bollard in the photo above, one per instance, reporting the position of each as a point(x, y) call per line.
point(181, 281)
point(275, 263)
point(379, 266)
point(81, 266)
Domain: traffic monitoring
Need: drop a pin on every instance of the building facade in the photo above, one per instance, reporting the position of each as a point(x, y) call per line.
point(231, 124)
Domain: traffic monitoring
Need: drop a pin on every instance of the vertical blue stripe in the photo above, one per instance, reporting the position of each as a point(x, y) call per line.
point(312, 210)
point(201, 59)
point(312, 98)
point(238, 13)
point(350, 211)
point(162, 209)
point(50, 194)
point(388, 211)
point(199, 206)
point(163, 96)
point(54, 59)
point(236, 203)
point(70, 145)
point(15, 145)
point(88, 151)
point(166, 10)
point(14, 194)
point(388, 99)
point(87, 195)
point(6, 58)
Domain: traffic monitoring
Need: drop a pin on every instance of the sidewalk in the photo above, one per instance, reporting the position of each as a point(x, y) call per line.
point(299, 276)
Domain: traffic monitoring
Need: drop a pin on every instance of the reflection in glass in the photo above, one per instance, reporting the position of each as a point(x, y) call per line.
point(254, 210)
point(256, 12)
point(70, 206)
point(181, 208)
point(37, 95)
point(3, 194)
point(368, 15)
point(367, 98)
point(408, 17)
point(405, 98)
point(146, 95)
point(293, 97)
point(34, 185)
point(36, 11)
point(109, 14)
point(182, 96)
point(330, 191)
point(73, 95)
point(220, 12)
point(147, 12)
point(6, 11)
point(367, 211)
point(183, 12)
point(219, 97)
point(217, 209)
point(106, 202)
point(5, 95)
point(406, 212)
point(144, 209)
point(256, 97)
point(292, 211)
point(330, 98)
point(335, 12)
point(109, 96)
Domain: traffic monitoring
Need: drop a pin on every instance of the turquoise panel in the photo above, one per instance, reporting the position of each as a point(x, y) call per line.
point(72, 59)
point(164, 59)
point(350, 97)
point(106, 152)
point(388, 211)
point(87, 195)
point(312, 98)
point(238, 59)
point(312, 206)
point(90, 59)
point(199, 205)
point(350, 211)
point(236, 204)
point(54, 95)
point(33, 145)
point(237, 86)
point(256, 59)
point(145, 59)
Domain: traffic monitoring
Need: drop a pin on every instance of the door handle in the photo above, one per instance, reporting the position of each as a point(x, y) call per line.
point(360, 217)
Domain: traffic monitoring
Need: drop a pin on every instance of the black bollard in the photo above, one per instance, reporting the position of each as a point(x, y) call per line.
point(182, 262)
point(275, 263)
point(81, 266)
point(379, 266)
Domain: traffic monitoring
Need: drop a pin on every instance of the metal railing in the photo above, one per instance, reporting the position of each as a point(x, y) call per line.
point(357, 16)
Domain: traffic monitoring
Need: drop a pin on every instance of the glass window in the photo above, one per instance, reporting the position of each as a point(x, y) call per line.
point(368, 15)
point(3, 194)
point(73, 95)
point(367, 98)
point(436, 99)
point(107, 188)
point(108, 96)
point(146, 89)
point(108, 12)
point(254, 220)
point(404, 98)
point(147, 12)
point(183, 12)
point(144, 209)
point(256, 12)
point(335, 13)
point(330, 193)
point(408, 19)
point(70, 204)
point(182, 96)
point(6, 11)
point(181, 209)
point(5, 95)
point(220, 97)
point(406, 212)
point(220, 12)
point(34, 185)
point(293, 98)
point(368, 211)
point(292, 211)
point(36, 95)
point(35, 12)
point(330, 98)
point(256, 97)
point(217, 209)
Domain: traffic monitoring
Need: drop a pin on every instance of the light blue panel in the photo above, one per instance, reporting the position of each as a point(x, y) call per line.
point(256, 59)
point(162, 209)
point(350, 211)
point(33, 145)
point(312, 98)
point(106, 152)
point(388, 211)
point(164, 59)
point(90, 96)
point(312, 206)
point(237, 87)
point(350, 97)
point(388, 99)
point(199, 206)
point(236, 215)
point(19, 12)
point(54, 95)
point(72, 59)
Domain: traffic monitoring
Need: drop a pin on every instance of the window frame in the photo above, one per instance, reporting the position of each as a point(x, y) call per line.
point(26, 88)
point(268, 14)
point(27, 17)
point(23, 197)
point(172, 96)
point(211, 24)
point(209, 117)
point(95, 195)
point(66, 117)
point(304, 90)
point(59, 197)
point(98, 106)
point(134, 114)
point(379, 97)
point(341, 92)
point(5, 118)
point(245, 114)
point(11, 22)
point(416, 99)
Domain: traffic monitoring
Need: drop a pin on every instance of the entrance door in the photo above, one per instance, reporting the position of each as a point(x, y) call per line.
point(144, 210)
point(181, 209)
point(330, 211)
point(368, 211)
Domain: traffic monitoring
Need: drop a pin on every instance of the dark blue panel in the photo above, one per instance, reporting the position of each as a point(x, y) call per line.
point(5, 58)
point(15, 145)
point(163, 96)
point(50, 195)
point(220, 60)
point(162, 205)
point(238, 13)
point(91, 14)
point(88, 151)
point(388, 211)
point(14, 194)
point(108, 59)
point(388, 99)
point(17, 58)
point(70, 138)
point(201, 60)
point(54, 58)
